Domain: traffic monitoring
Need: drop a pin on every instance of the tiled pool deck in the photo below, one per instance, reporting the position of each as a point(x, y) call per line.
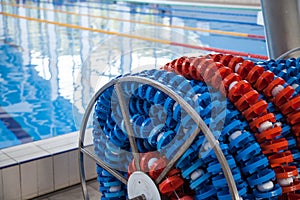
point(34, 169)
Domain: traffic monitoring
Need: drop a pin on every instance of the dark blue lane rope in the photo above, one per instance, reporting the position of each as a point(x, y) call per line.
point(12, 125)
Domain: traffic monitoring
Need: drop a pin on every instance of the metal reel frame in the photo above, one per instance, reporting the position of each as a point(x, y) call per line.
point(185, 106)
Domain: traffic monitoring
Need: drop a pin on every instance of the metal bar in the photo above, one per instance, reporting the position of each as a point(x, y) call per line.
point(282, 26)
point(128, 126)
point(82, 177)
point(82, 137)
point(88, 111)
point(105, 166)
point(178, 154)
point(194, 115)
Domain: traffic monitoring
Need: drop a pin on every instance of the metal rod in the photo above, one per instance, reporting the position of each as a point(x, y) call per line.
point(105, 166)
point(82, 137)
point(178, 154)
point(282, 26)
point(88, 111)
point(128, 126)
point(288, 53)
point(82, 177)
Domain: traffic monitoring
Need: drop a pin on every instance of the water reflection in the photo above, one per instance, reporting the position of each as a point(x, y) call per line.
point(50, 72)
point(27, 109)
point(45, 83)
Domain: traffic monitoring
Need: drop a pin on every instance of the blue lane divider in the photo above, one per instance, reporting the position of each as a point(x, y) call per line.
point(110, 187)
point(197, 163)
point(165, 132)
point(287, 69)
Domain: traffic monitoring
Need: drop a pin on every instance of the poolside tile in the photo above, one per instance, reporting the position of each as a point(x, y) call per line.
point(59, 144)
point(90, 168)
point(12, 187)
point(61, 173)
point(73, 167)
point(32, 156)
point(1, 186)
point(55, 143)
point(70, 137)
point(29, 186)
point(18, 148)
point(62, 148)
point(6, 161)
point(26, 152)
point(45, 175)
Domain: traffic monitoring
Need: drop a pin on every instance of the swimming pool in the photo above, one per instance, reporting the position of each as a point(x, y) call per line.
point(52, 54)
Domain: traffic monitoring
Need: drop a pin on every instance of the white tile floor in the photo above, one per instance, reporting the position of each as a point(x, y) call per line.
point(74, 193)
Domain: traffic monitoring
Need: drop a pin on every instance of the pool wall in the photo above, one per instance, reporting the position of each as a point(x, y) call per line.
point(34, 169)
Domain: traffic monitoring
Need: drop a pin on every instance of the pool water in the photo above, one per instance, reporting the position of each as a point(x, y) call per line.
point(52, 54)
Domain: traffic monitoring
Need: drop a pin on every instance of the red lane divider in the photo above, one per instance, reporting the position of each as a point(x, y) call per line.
point(256, 36)
point(256, 112)
point(266, 82)
point(223, 51)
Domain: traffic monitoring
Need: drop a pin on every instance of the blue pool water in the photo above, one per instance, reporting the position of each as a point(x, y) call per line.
point(47, 73)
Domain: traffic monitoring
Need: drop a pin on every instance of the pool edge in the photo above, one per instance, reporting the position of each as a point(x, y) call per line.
point(42, 167)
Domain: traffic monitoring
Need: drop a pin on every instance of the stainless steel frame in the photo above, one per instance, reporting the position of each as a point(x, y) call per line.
point(194, 115)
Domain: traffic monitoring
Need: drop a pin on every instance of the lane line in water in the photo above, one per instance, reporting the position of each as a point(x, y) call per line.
point(219, 32)
point(12, 125)
point(203, 5)
point(160, 14)
point(166, 4)
point(168, 42)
